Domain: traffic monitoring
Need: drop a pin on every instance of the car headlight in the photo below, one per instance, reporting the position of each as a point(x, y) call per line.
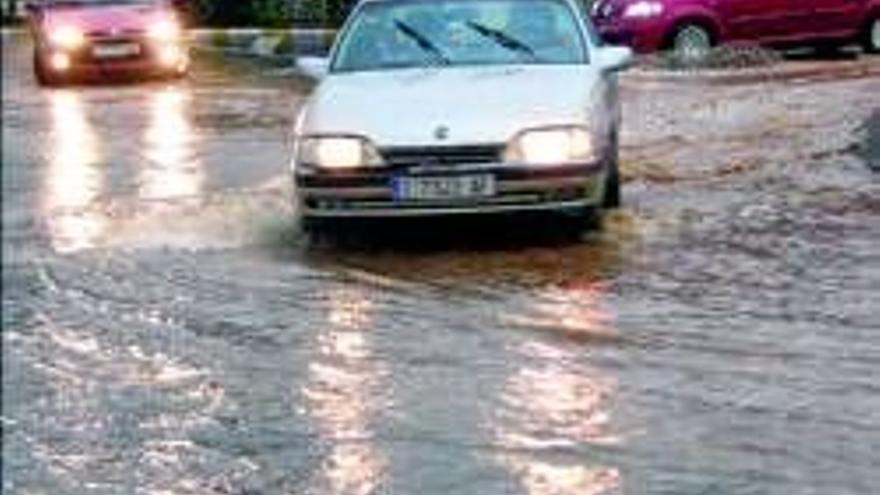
point(337, 152)
point(165, 30)
point(552, 145)
point(67, 37)
point(643, 9)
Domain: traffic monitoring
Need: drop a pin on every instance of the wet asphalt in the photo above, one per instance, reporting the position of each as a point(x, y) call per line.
point(167, 330)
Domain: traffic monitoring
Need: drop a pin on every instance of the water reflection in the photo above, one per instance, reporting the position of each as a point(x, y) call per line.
point(72, 427)
point(553, 402)
point(75, 179)
point(173, 170)
point(344, 393)
point(571, 311)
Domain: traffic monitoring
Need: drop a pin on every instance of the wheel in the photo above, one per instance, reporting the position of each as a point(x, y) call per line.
point(828, 49)
point(612, 196)
point(691, 43)
point(871, 37)
point(611, 199)
point(43, 76)
point(176, 75)
point(318, 231)
point(588, 220)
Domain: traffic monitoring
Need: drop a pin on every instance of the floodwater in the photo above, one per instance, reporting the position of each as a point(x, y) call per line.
point(166, 330)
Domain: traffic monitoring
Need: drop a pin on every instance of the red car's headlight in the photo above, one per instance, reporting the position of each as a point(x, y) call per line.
point(66, 37)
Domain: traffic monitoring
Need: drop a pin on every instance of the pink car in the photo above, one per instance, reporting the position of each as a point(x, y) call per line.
point(692, 27)
point(103, 38)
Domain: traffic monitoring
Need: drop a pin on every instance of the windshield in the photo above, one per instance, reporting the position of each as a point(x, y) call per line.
point(420, 33)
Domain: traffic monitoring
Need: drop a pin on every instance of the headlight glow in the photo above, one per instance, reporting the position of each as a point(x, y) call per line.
point(342, 152)
point(643, 9)
point(67, 37)
point(551, 146)
point(165, 30)
point(60, 62)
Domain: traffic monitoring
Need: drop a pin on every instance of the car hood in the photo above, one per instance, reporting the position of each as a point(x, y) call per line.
point(476, 104)
point(106, 18)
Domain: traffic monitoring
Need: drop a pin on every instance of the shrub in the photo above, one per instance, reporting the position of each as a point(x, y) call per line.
point(220, 39)
point(273, 13)
point(286, 45)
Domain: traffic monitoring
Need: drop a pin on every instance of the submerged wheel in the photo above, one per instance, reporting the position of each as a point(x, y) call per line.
point(612, 189)
point(576, 225)
point(612, 194)
point(871, 37)
point(44, 75)
point(176, 75)
point(828, 49)
point(691, 43)
point(41, 73)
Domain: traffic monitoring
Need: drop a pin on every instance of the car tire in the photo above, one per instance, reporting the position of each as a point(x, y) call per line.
point(176, 76)
point(828, 49)
point(43, 76)
point(691, 42)
point(612, 198)
point(612, 195)
point(589, 220)
point(871, 36)
point(317, 231)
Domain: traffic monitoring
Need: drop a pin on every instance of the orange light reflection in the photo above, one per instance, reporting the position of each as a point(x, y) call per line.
point(75, 180)
point(344, 393)
point(554, 401)
point(173, 172)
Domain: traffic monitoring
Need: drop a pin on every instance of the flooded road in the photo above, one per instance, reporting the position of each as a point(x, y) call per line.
point(166, 330)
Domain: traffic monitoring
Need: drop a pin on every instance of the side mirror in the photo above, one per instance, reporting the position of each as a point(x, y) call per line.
point(614, 58)
point(314, 67)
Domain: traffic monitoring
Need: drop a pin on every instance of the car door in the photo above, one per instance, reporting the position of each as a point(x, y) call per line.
point(758, 20)
point(830, 18)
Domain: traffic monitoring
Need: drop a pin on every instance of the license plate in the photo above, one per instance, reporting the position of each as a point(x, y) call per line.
point(119, 50)
point(443, 188)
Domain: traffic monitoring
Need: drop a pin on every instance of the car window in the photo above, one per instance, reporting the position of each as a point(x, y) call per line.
point(417, 33)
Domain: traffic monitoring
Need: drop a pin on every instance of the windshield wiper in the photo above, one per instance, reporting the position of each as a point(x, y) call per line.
point(424, 43)
point(503, 39)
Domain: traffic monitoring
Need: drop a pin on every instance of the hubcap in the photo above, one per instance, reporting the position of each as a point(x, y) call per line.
point(875, 34)
point(692, 43)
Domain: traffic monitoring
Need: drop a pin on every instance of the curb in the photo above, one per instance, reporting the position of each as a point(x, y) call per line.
point(756, 65)
point(863, 66)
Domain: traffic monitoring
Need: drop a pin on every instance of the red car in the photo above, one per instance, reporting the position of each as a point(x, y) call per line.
point(103, 38)
point(692, 27)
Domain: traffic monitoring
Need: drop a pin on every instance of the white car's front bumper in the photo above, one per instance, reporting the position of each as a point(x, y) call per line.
point(567, 188)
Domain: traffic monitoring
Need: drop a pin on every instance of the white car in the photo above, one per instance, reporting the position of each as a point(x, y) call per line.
point(455, 107)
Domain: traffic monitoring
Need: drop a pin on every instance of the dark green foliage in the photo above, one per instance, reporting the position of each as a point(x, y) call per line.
point(287, 44)
point(273, 13)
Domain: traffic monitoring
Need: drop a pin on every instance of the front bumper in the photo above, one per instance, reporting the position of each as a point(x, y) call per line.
point(124, 69)
point(83, 62)
point(518, 189)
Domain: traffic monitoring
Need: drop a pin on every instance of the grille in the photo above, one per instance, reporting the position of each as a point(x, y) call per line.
point(116, 33)
point(87, 56)
point(441, 155)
